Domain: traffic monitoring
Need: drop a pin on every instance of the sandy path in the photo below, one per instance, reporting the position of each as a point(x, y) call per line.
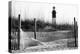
point(48, 46)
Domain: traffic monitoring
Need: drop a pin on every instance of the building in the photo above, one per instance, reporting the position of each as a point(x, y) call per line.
point(53, 16)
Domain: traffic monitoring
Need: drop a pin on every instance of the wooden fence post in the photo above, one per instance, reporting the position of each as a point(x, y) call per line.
point(35, 28)
point(19, 31)
point(75, 32)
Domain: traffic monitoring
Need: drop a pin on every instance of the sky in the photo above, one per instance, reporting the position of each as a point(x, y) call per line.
point(43, 11)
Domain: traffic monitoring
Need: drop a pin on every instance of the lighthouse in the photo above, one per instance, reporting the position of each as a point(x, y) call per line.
point(53, 16)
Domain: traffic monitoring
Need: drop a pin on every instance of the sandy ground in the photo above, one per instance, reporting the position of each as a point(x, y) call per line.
point(48, 46)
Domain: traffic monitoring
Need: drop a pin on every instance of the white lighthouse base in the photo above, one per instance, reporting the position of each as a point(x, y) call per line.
point(53, 20)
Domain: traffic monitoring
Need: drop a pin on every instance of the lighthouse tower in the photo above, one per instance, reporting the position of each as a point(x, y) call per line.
point(53, 16)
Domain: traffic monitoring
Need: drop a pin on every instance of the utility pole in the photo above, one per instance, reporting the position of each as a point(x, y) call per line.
point(34, 28)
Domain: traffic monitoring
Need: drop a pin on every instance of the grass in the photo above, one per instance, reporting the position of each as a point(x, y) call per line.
point(48, 36)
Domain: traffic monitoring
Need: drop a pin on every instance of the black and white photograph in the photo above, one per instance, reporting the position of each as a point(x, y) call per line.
point(41, 26)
